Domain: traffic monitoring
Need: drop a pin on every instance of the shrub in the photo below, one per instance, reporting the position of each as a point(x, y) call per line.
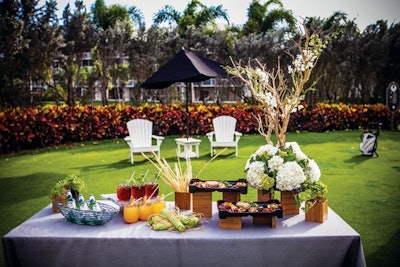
point(44, 126)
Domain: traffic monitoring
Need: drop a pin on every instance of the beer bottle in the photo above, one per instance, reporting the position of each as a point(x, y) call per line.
point(82, 204)
point(70, 200)
point(93, 205)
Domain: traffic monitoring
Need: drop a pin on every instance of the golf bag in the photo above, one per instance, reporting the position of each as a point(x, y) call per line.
point(369, 140)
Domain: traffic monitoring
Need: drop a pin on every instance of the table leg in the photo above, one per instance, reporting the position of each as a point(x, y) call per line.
point(187, 151)
point(179, 149)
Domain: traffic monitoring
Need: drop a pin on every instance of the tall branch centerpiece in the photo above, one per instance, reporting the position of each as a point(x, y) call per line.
point(282, 166)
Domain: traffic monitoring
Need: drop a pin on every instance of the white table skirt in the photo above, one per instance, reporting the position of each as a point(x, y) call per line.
point(47, 239)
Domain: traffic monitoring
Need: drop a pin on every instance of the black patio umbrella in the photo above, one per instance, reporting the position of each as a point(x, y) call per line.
point(185, 67)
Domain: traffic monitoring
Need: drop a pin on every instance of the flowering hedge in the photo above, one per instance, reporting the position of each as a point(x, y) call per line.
point(325, 117)
point(56, 125)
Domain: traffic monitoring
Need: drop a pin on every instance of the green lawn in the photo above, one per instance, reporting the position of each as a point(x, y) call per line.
point(363, 191)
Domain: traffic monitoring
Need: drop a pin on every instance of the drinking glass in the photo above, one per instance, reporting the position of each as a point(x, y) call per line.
point(145, 211)
point(151, 187)
point(123, 191)
point(138, 191)
point(131, 213)
point(158, 205)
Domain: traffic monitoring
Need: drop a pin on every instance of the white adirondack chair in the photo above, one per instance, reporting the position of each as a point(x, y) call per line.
point(141, 137)
point(224, 134)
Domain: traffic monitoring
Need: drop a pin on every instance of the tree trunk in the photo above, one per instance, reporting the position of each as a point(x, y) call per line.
point(104, 88)
point(71, 92)
point(104, 84)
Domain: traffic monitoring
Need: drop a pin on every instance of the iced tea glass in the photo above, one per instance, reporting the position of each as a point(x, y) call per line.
point(123, 191)
point(151, 187)
point(138, 191)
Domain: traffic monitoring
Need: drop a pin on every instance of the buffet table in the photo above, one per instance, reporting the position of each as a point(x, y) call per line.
point(47, 239)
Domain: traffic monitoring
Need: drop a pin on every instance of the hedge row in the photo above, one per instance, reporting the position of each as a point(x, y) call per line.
point(56, 125)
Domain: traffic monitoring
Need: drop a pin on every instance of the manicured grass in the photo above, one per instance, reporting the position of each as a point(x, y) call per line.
point(363, 191)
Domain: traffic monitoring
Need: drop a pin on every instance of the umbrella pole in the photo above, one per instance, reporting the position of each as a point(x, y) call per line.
point(188, 87)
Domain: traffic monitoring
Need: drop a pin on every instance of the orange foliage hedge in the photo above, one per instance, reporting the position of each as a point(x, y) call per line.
point(36, 127)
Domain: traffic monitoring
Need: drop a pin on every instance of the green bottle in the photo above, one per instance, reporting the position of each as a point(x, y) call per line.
point(70, 200)
point(93, 205)
point(82, 204)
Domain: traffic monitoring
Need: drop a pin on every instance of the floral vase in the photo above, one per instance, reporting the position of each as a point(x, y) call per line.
point(289, 203)
point(263, 197)
point(318, 212)
point(183, 200)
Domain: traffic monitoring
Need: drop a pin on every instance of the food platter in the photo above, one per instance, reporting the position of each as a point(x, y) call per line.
point(197, 185)
point(269, 208)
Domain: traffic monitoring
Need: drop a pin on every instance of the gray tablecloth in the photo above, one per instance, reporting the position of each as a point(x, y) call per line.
point(47, 239)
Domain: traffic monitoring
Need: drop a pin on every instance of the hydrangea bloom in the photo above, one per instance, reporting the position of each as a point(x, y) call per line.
point(290, 177)
point(275, 163)
point(254, 173)
point(270, 150)
point(313, 170)
point(297, 150)
point(288, 167)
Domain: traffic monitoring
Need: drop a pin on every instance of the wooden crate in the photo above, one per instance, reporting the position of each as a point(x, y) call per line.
point(289, 203)
point(183, 200)
point(265, 220)
point(318, 213)
point(231, 196)
point(263, 197)
point(232, 223)
point(202, 203)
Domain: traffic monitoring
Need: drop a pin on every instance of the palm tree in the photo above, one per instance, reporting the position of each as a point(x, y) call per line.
point(99, 13)
point(137, 18)
point(262, 19)
point(106, 17)
point(195, 14)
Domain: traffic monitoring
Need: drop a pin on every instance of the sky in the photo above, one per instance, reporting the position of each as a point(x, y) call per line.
point(365, 12)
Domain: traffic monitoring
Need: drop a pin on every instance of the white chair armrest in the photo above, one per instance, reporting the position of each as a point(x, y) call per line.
point(210, 135)
point(128, 141)
point(237, 135)
point(158, 138)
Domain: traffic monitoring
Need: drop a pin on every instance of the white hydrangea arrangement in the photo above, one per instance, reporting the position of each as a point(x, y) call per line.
point(283, 168)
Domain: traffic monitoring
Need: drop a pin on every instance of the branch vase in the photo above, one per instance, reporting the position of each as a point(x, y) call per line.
point(183, 200)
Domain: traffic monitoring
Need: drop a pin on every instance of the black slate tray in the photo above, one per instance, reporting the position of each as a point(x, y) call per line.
point(231, 187)
point(278, 212)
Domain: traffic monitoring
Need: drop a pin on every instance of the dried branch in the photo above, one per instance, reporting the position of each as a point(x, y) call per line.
point(270, 89)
